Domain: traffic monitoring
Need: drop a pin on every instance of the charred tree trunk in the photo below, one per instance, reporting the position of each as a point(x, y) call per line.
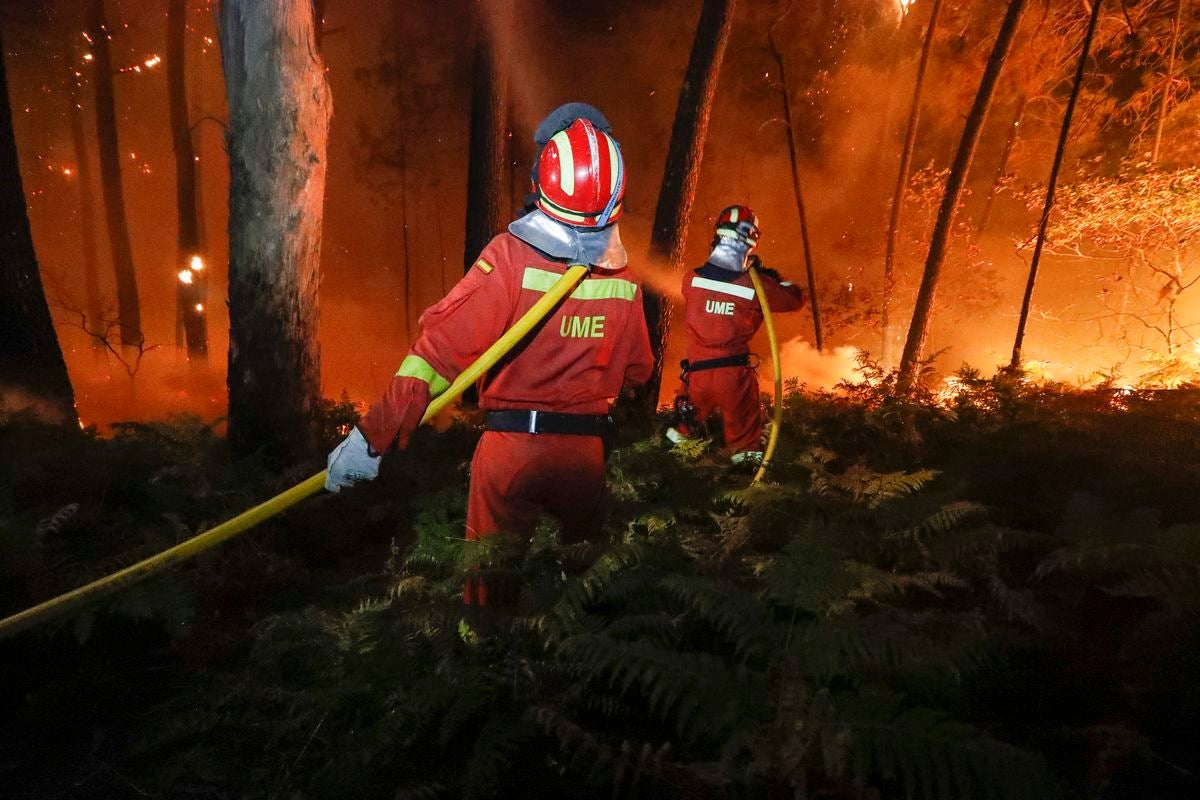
point(129, 313)
point(798, 190)
point(1010, 143)
point(918, 330)
point(487, 173)
point(1064, 136)
point(279, 110)
point(30, 357)
point(409, 317)
point(668, 239)
point(902, 176)
point(191, 275)
point(94, 323)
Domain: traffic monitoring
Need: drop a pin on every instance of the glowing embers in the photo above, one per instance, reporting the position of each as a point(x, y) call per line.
point(148, 63)
point(188, 276)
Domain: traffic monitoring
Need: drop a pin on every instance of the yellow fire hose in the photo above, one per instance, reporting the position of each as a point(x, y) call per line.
point(777, 420)
point(60, 605)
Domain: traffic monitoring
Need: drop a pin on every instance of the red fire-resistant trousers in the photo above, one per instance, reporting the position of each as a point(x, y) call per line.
point(733, 390)
point(518, 477)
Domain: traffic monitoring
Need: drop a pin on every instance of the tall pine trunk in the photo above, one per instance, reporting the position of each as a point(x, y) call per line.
point(410, 317)
point(487, 170)
point(129, 312)
point(30, 357)
point(94, 322)
point(918, 330)
point(279, 111)
point(798, 189)
point(190, 294)
point(902, 176)
point(1064, 136)
point(668, 238)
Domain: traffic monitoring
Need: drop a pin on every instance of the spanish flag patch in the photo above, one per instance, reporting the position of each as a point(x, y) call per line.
point(485, 266)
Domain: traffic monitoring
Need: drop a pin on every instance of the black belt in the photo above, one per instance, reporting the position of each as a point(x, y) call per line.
point(740, 360)
point(512, 420)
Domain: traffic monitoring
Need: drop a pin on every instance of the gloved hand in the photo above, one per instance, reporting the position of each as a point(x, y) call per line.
point(350, 462)
point(757, 264)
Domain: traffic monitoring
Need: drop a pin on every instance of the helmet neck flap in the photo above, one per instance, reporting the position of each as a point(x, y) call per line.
point(729, 253)
point(597, 247)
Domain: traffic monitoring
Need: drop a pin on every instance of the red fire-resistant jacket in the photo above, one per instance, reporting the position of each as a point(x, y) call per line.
point(590, 348)
point(722, 312)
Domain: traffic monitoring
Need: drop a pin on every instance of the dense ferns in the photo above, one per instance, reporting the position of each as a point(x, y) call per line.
point(992, 593)
point(727, 642)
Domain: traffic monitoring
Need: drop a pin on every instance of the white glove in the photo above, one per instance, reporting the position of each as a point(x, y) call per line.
point(351, 462)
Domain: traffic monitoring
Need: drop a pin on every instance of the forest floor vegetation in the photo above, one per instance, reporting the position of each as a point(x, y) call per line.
point(992, 591)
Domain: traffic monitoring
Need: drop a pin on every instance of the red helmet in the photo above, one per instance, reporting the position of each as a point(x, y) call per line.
point(741, 223)
point(580, 177)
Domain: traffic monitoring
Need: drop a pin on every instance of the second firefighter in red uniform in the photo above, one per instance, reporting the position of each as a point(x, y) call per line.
point(547, 403)
point(722, 315)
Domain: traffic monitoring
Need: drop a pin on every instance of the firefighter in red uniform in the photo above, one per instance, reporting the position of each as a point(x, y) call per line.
point(722, 316)
point(546, 406)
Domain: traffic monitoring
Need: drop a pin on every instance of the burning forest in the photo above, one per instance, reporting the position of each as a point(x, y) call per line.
point(675, 398)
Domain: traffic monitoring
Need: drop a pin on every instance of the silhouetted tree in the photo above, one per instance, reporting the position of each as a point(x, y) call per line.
point(190, 284)
point(128, 309)
point(672, 215)
point(1044, 222)
point(279, 111)
point(1010, 144)
point(789, 120)
point(88, 245)
point(918, 330)
point(487, 168)
point(902, 176)
point(1168, 83)
point(30, 356)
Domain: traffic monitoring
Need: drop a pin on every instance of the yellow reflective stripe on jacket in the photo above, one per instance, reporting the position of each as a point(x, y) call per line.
point(540, 280)
point(417, 367)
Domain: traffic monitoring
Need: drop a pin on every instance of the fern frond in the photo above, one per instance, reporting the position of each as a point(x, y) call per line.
point(496, 746)
point(55, 523)
point(734, 613)
point(697, 690)
point(1092, 562)
point(930, 754)
point(1160, 582)
point(1016, 605)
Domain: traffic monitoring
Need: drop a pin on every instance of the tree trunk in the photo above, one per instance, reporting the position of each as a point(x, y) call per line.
point(668, 238)
point(129, 312)
point(190, 294)
point(409, 317)
point(1168, 85)
point(902, 176)
point(1010, 143)
point(798, 190)
point(918, 330)
point(1064, 135)
point(279, 111)
point(30, 357)
point(94, 323)
point(487, 173)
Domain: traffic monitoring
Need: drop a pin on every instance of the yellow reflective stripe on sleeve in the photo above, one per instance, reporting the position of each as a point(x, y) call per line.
point(540, 280)
point(417, 367)
point(484, 265)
